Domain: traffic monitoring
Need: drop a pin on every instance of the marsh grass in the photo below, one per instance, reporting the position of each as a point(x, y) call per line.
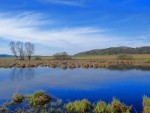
point(3, 109)
point(119, 107)
point(83, 106)
point(17, 99)
point(146, 104)
point(51, 110)
point(74, 63)
point(39, 99)
point(115, 107)
point(101, 107)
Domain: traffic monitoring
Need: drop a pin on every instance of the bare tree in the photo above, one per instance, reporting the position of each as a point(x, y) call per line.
point(13, 48)
point(20, 49)
point(29, 49)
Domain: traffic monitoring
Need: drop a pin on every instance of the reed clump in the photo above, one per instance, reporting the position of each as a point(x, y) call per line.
point(17, 99)
point(39, 99)
point(83, 106)
point(115, 107)
point(146, 104)
point(74, 63)
point(101, 107)
point(3, 109)
point(119, 107)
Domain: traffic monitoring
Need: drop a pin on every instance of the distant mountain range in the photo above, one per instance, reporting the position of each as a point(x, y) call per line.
point(5, 55)
point(118, 50)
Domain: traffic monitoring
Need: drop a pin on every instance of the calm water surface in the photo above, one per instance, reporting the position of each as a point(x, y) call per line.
point(93, 84)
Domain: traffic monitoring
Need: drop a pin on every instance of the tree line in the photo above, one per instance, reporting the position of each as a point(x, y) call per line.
point(117, 50)
point(21, 50)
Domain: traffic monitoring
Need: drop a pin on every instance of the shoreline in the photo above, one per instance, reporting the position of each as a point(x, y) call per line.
point(64, 64)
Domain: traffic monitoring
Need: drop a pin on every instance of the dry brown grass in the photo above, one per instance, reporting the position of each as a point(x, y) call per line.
point(85, 62)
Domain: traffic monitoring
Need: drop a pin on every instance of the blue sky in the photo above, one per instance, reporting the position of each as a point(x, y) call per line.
point(74, 25)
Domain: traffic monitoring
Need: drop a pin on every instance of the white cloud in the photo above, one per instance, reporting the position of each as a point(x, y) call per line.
point(67, 2)
point(25, 27)
point(28, 27)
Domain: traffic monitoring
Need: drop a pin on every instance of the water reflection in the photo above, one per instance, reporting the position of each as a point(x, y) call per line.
point(93, 84)
point(22, 74)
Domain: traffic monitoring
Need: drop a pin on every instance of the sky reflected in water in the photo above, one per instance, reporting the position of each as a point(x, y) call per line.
point(94, 84)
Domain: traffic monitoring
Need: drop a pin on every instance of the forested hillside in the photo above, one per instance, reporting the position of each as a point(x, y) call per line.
point(118, 50)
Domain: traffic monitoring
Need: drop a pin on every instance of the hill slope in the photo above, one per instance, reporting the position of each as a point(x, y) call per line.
point(118, 50)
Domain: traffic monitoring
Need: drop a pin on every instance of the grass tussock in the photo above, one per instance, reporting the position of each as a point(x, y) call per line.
point(39, 99)
point(115, 107)
point(3, 109)
point(17, 98)
point(119, 107)
point(101, 107)
point(146, 104)
point(83, 106)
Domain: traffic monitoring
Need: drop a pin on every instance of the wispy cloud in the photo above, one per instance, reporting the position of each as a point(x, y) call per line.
point(28, 27)
point(68, 2)
point(25, 27)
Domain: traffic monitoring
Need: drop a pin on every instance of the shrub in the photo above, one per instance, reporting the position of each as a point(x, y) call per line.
point(146, 104)
point(82, 106)
point(38, 58)
point(125, 57)
point(39, 99)
point(62, 56)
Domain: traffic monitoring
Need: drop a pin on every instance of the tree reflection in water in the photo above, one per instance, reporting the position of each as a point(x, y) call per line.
point(22, 74)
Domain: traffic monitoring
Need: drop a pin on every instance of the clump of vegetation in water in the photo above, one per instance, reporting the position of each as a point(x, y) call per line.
point(119, 107)
point(59, 102)
point(3, 109)
point(39, 99)
point(101, 107)
point(82, 106)
point(125, 57)
point(146, 104)
point(17, 99)
point(115, 107)
point(52, 110)
point(20, 111)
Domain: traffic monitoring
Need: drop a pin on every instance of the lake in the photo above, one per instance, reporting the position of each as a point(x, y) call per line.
point(129, 86)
